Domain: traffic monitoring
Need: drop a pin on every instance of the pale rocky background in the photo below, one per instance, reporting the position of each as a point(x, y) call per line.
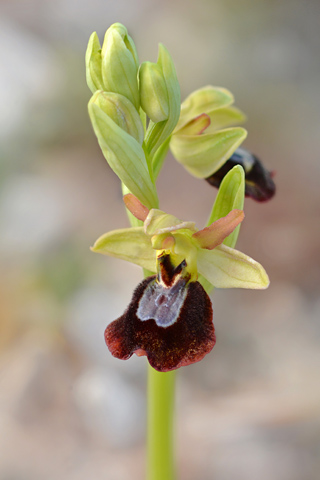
point(68, 410)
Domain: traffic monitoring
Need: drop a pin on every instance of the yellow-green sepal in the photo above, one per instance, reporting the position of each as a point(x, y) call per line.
point(230, 196)
point(124, 155)
point(202, 155)
point(225, 117)
point(130, 244)
point(157, 133)
point(204, 100)
point(120, 64)
point(93, 64)
point(225, 267)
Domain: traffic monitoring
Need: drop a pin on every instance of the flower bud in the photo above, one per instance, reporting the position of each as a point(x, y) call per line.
point(120, 64)
point(119, 142)
point(121, 111)
point(153, 92)
point(158, 133)
point(93, 64)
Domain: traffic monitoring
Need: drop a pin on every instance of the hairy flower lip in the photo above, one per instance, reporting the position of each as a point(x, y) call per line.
point(259, 184)
point(186, 340)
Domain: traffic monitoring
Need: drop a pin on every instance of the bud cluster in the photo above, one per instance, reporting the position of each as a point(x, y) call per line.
point(137, 115)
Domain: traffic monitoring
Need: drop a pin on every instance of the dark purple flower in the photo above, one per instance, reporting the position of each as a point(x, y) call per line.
point(259, 184)
point(169, 319)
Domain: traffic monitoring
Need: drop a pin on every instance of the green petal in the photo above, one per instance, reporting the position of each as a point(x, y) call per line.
point(130, 244)
point(205, 100)
point(225, 267)
point(202, 155)
point(93, 64)
point(124, 155)
point(230, 196)
point(158, 222)
point(225, 117)
point(158, 132)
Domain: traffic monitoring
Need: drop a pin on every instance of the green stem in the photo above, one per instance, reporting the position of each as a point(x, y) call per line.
point(161, 390)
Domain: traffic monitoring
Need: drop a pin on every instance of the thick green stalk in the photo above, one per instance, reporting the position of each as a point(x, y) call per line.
point(161, 393)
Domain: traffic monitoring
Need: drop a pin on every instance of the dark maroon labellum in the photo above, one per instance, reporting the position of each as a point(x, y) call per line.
point(169, 319)
point(259, 184)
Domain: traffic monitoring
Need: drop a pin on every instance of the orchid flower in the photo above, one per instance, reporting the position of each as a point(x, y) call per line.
point(200, 141)
point(169, 318)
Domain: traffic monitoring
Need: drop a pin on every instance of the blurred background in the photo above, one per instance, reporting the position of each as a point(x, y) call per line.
point(68, 410)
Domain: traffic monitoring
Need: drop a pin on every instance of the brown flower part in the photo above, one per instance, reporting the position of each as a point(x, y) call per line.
point(169, 319)
point(259, 184)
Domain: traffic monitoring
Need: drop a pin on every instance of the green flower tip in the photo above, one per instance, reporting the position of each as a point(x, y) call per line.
point(114, 67)
point(160, 91)
point(153, 92)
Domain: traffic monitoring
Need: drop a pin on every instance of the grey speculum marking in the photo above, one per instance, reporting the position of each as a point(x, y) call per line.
point(162, 304)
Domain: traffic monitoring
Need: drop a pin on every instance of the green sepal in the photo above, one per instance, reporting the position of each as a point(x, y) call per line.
point(204, 100)
point(130, 244)
point(225, 267)
point(124, 155)
point(93, 64)
point(202, 155)
point(120, 64)
point(230, 196)
point(157, 133)
point(225, 117)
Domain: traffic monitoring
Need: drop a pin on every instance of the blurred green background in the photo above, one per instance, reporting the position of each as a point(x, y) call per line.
point(68, 410)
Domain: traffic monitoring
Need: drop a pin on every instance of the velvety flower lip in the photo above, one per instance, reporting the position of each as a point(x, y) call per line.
point(169, 319)
point(259, 184)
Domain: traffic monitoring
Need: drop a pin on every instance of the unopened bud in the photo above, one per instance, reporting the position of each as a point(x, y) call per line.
point(153, 92)
point(120, 64)
point(121, 111)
